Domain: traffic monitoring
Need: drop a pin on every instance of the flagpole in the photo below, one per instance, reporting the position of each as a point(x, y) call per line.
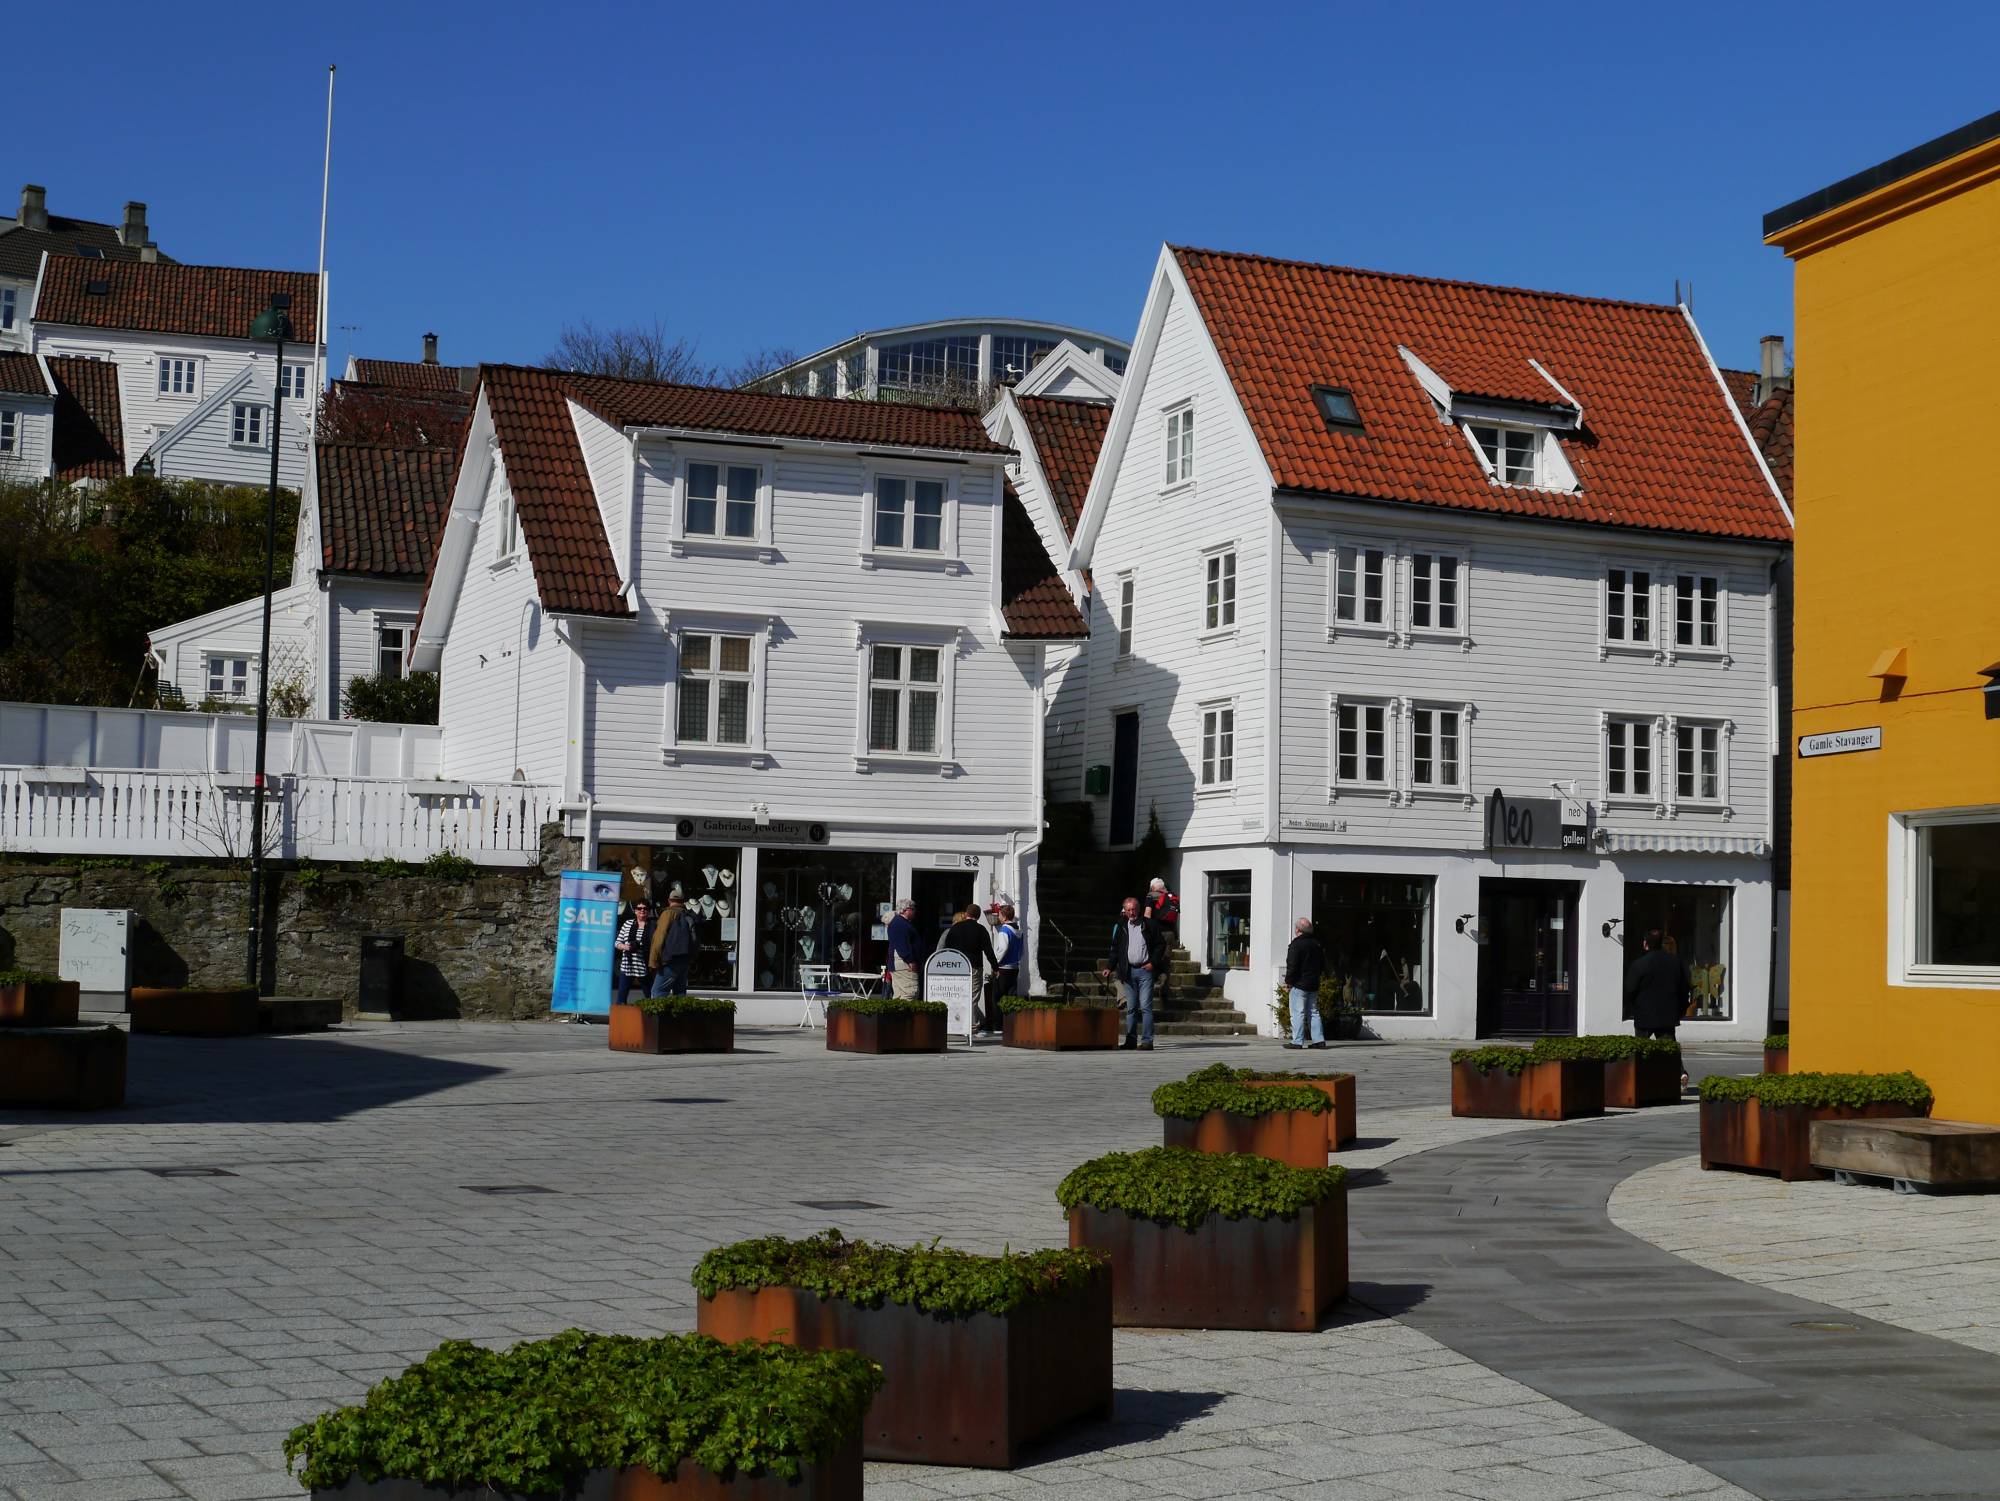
point(319, 313)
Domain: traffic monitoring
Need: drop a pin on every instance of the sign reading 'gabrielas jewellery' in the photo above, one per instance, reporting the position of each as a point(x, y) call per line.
point(749, 831)
point(1841, 742)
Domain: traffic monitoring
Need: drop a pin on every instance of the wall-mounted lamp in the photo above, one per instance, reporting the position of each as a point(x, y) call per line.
point(1612, 922)
point(1469, 919)
point(1991, 692)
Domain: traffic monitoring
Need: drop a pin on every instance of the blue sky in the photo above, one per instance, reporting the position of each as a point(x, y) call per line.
point(757, 175)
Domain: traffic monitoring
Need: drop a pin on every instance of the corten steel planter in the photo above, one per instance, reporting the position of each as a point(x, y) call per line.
point(1060, 1029)
point(39, 1003)
point(1223, 1274)
point(637, 1031)
point(1337, 1087)
point(1631, 1083)
point(963, 1390)
point(1552, 1090)
point(62, 1068)
point(885, 1032)
point(1777, 1060)
point(195, 1013)
point(1297, 1138)
point(1759, 1138)
point(835, 1478)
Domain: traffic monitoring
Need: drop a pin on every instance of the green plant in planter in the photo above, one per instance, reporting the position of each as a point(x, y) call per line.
point(1602, 1048)
point(1052, 1003)
point(1486, 1059)
point(1180, 1187)
point(886, 1005)
point(1217, 1072)
point(1779, 1042)
point(1191, 1098)
point(26, 977)
point(1819, 1091)
point(932, 1278)
point(534, 1420)
point(685, 1005)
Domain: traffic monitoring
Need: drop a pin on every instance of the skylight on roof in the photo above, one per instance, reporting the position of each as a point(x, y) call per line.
point(97, 289)
point(91, 252)
point(1336, 405)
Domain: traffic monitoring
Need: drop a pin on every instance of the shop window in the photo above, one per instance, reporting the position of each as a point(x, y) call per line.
point(1376, 933)
point(1693, 923)
point(705, 877)
point(1229, 919)
point(817, 906)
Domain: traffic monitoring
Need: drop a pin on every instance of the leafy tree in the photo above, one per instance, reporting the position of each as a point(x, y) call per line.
point(392, 700)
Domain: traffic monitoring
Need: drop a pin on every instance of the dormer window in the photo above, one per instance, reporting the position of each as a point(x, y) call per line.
point(1509, 452)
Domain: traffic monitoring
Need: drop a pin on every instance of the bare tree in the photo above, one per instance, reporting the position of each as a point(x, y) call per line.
point(757, 364)
point(635, 351)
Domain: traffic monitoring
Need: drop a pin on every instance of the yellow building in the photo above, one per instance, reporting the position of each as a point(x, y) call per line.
point(1896, 802)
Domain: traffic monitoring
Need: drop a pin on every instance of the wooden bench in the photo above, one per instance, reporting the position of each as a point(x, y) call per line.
point(1915, 1154)
point(296, 1013)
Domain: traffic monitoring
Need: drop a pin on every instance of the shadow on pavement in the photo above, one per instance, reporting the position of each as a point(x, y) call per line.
point(1386, 1300)
point(1137, 1416)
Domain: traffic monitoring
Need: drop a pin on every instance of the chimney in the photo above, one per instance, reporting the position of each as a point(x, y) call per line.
point(1771, 374)
point(468, 378)
point(133, 232)
point(430, 349)
point(149, 252)
point(34, 207)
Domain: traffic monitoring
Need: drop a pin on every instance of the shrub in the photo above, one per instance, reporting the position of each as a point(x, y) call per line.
point(1819, 1091)
point(685, 1005)
point(535, 1419)
point(1779, 1042)
point(1216, 1072)
point(932, 1278)
point(390, 700)
point(26, 977)
point(444, 865)
point(1052, 1003)
point(1192, 1098)
point(1494, 1055)
point(1602, 1048)
point(1179, 1187)
point(886, 1005)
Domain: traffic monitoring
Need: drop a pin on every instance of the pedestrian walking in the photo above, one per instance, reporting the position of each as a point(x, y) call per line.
point(1163, 907)
point(673, 949)
point(1656, 989)
point(633, 948)
point(1138, 957)
point(1305, 962)
point(968, 936)
point(1007, 969)
point(903, 975)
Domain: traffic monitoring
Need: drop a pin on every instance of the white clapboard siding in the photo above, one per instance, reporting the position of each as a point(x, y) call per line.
point(354, 607)
point(607, 454)
point(34, 423)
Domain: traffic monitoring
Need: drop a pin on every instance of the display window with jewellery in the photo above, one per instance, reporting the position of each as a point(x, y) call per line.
point(1375, 931)
point(1694, 925)
point(822, 907)
point(705, 878)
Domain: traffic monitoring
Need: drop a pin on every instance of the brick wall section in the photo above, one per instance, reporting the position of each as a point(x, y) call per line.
point(483, 947)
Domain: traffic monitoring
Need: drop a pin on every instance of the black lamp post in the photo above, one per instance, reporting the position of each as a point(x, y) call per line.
point(275, 324)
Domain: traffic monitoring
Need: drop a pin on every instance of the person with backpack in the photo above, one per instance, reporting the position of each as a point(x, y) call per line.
point(1163, 907)
point(633, 949)
point(673, 949)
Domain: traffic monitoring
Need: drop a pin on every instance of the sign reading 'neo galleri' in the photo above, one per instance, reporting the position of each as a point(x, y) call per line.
point(1531, 823)
point(1841, 742)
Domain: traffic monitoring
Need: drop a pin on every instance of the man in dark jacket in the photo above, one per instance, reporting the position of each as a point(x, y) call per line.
point(902, 931)
point(967, 935)
point(673, 949)
point(1138, 959)
point(1305, 962)
point(1656, 989)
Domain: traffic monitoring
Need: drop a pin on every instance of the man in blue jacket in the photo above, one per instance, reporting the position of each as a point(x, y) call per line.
point(1007, 949)
point(903, 950)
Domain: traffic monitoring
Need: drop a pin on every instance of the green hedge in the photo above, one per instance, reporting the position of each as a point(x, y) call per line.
point(933, 1278)
point(1179, 1187)
point(26, 977)
point(1819, 1090)
point(1779, 1042)
point(685, 1005)
point(1218, 1072)
point(535, 1419)
point(1191, 1098)
point(1486, 1059)
point(1603, 1047)
point(1050, 1003)
point(886, 1005)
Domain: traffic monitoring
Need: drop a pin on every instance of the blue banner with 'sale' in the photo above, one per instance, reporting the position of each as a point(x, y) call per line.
point(586, 928)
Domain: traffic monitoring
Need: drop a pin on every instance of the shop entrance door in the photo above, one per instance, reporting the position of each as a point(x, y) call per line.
point(940, 896)
point(1527, 960)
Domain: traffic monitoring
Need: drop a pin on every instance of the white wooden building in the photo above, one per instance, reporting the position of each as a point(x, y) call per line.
point(32, 232)
point(958, 356)
point(785, 653)
point(1369, 550)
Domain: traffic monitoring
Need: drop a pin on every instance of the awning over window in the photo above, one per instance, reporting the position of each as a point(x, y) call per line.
point(1652, 842)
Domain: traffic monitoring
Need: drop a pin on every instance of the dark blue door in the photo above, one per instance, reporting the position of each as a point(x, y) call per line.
point(1125, 777)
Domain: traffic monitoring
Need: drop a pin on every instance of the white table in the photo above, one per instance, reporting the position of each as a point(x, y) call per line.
point(859, 981)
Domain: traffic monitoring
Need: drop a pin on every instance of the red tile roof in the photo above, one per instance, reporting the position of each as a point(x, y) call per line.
point(1660, 448)
point(381, 508)
point(89, 422)
point(160, 297)
point(355, 413)
point(408, 375)
point(1497, 371)
point(21, 375)
point(1067, 434)
point(1035, 603)
point(1742, 389)
point(1771, 428)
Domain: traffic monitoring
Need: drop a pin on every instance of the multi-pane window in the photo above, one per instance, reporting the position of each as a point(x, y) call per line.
point(1510, 453)
point(392, 639)
point(229, 677)
point(1114, 362)
point(1628, 758)
point(909, 514)
point(179, 377)
point(292, 381)
point(246, 425)
point(1697, 762)
point(10, 431)
point(1126, 590)
point(1218, 746)
point(929, 365)
point(1361, 744)
point(1180, 445)
point(1219, 603)
point(8, 303)
point(1435, 747)
point(1014, 357)
point(1434, 587)
point(1628, 605)
point(724, 491)
point(713, 692)
point(1359, 585)
point(905, 684)
point(1697, 610)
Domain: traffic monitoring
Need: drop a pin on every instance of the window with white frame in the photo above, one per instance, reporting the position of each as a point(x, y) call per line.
point(246, 425)
point(1509, 452)
point(1628, 757)
point(229, 678)
point(1127, 590)
point(507, 527)
point(1436, 585)
point(1946, 897)
point(722, 501)
point(179, 377)
point(1437, 747)
point(1698, 764)
point(1361, 743)
point(905, 697)
point(712, 689)
point(1219, 597)
point(1218, 745)
point(292, 381)
point(10, 432)
point(909, 514)
point(392, 643)
point(1180, 445)
point(1360, 585)
point(1698, 611)
point(9, 301)
point(1628, 606)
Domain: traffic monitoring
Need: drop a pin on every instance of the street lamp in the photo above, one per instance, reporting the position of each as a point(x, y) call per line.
point(275, 324)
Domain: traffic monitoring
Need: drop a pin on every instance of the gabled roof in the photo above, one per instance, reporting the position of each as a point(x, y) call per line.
point(160, 297)
point(89, 433)
point(381, 508)
point(1661, 446)
point(1771, 429)
point(410, 375)
point(21, 375)
point(1067, 433)
point(21, 249)
point(1035, 603)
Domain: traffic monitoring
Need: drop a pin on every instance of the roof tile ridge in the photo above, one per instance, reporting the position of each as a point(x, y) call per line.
point(786, 396)
point(166, 265)
point(1095, 403)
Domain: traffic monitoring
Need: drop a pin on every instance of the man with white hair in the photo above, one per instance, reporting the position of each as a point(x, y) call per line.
point(903, 950)
point(1163, 906)
point(1305, 962)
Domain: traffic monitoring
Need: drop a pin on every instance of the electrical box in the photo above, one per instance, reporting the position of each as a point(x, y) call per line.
point(96, 952)
point(1097, 780)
